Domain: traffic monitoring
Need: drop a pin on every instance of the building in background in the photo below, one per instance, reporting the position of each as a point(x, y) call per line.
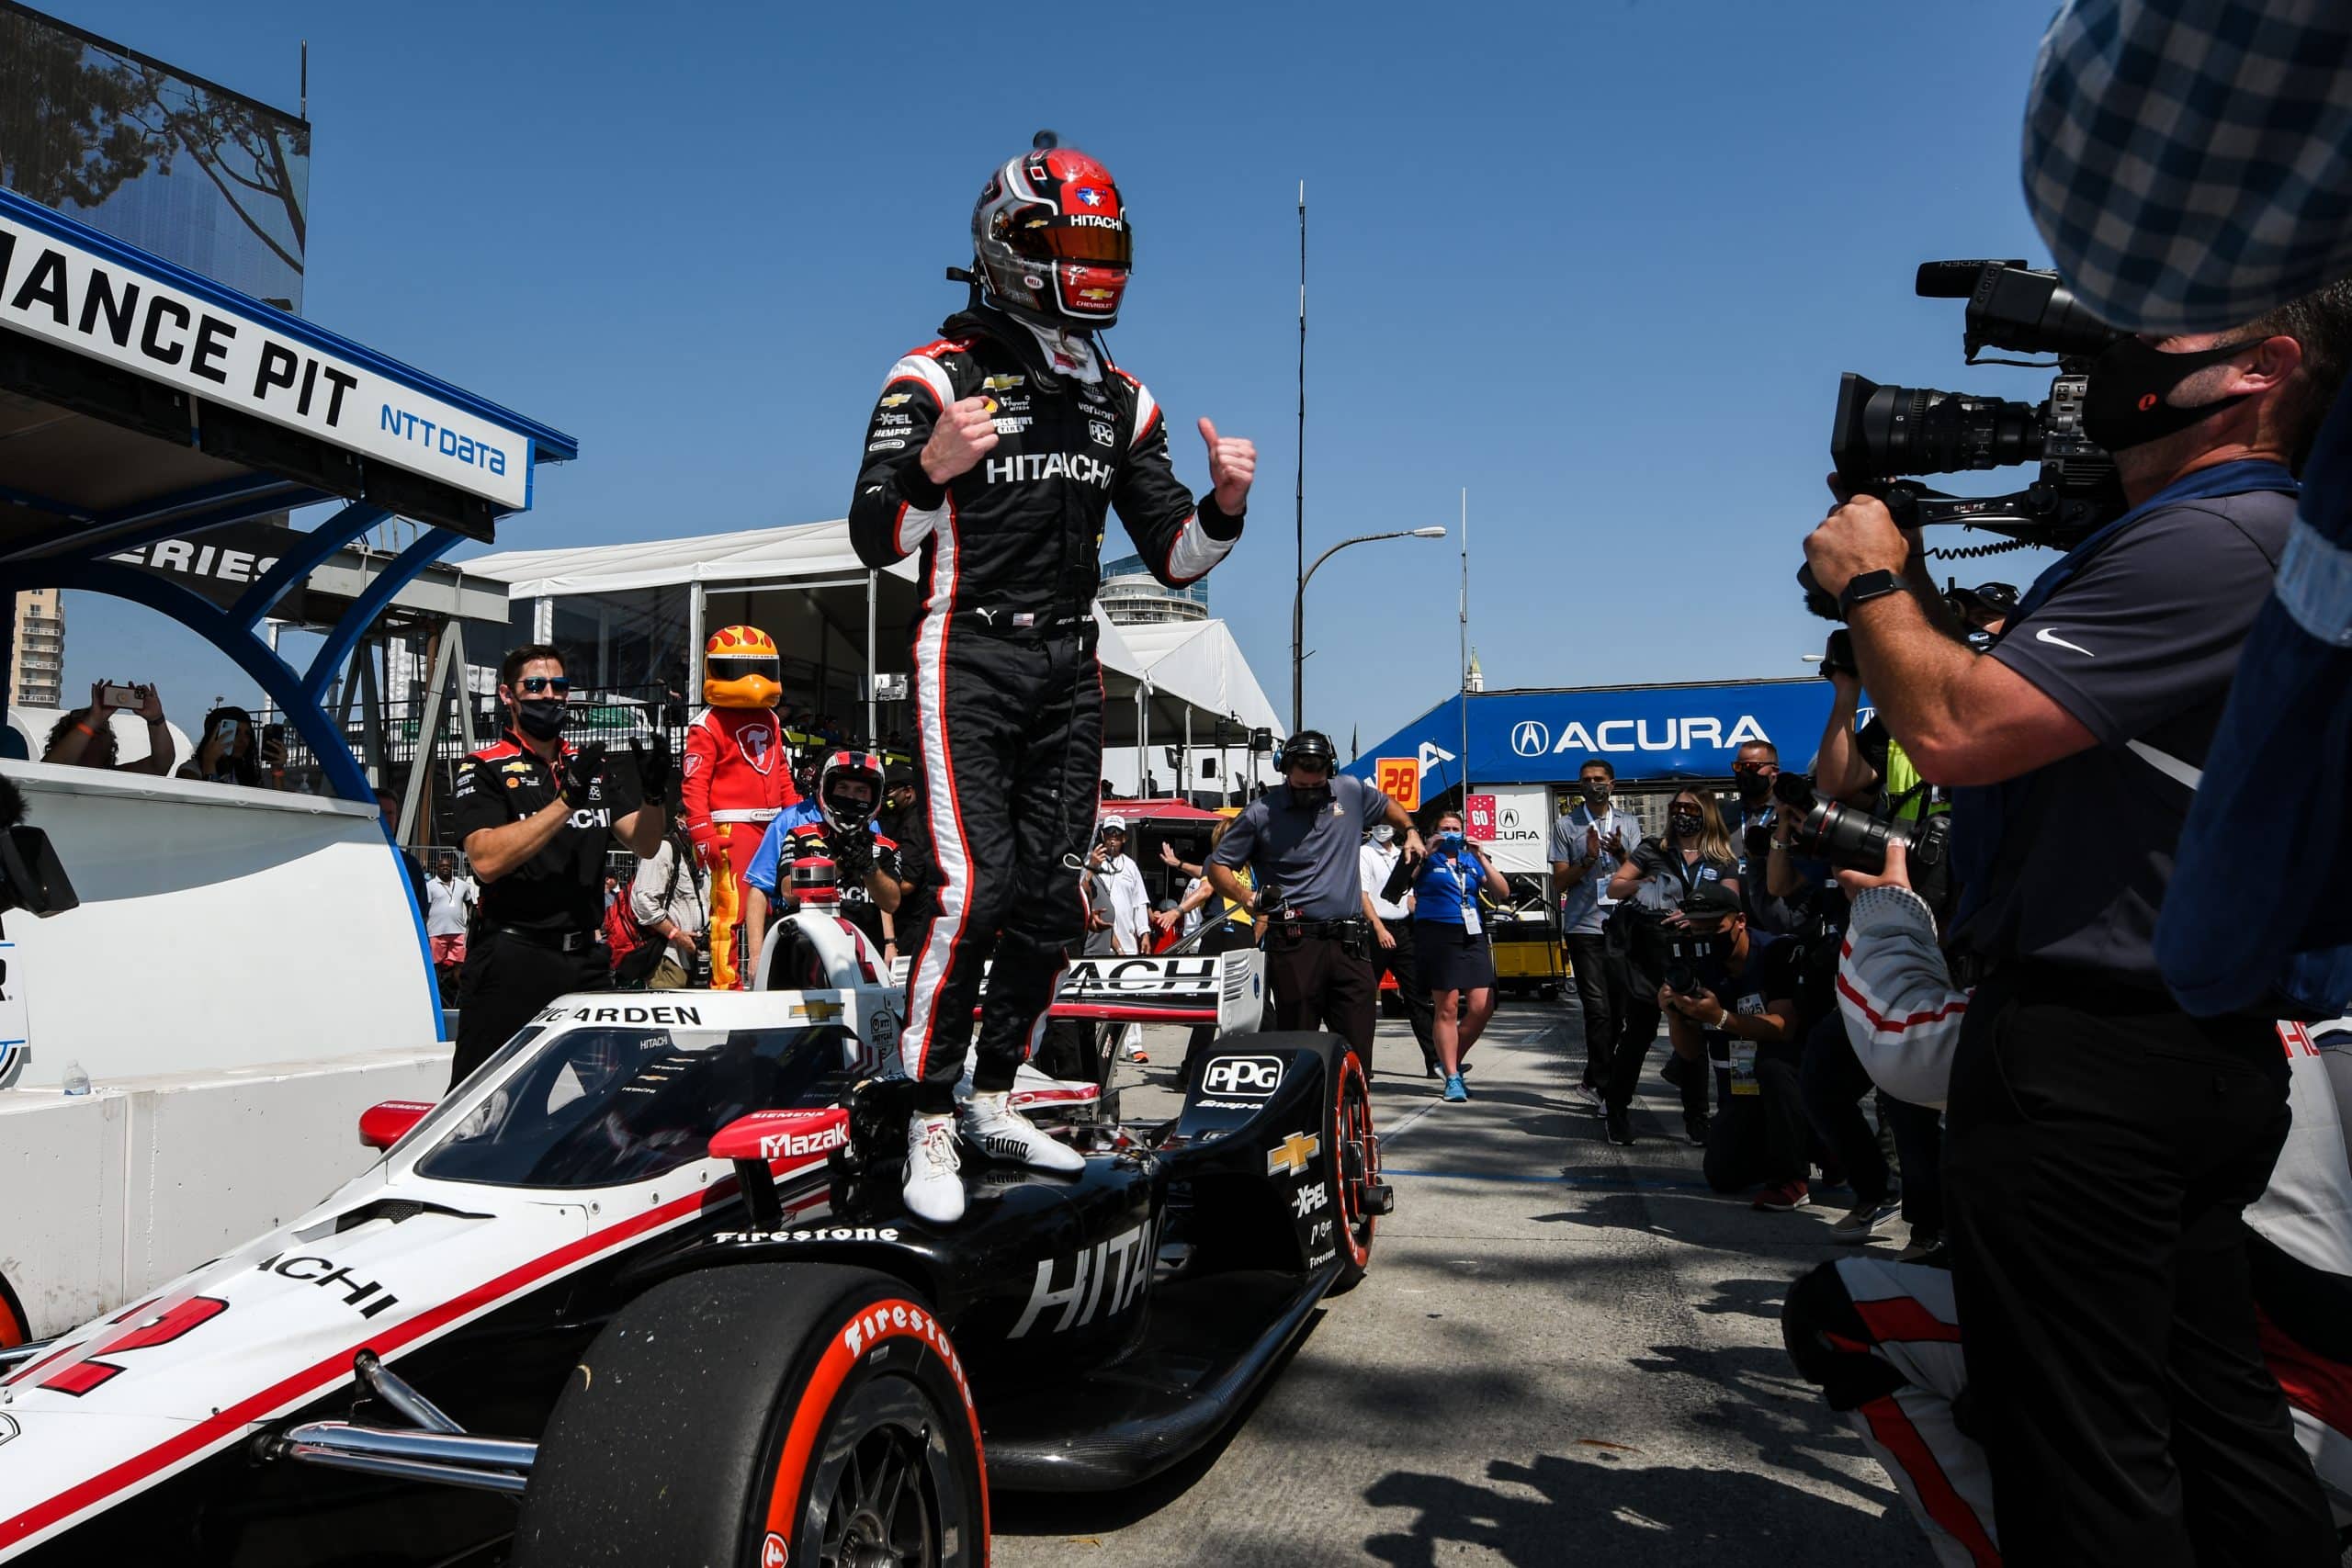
point(1131, 596)
point(179, 166)
point(36, 675)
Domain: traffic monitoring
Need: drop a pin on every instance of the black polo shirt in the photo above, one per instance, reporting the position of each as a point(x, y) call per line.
point(2068, 864)
point(562, 888)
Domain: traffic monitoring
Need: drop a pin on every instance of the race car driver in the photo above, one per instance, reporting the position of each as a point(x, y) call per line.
point(995, 452)
point(535, 818)
point(737, 777)
point(865, 860)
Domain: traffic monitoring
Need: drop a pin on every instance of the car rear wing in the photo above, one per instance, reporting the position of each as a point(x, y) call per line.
point(1225, 991)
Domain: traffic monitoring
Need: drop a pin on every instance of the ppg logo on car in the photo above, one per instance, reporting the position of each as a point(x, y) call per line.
point(1253, 1077)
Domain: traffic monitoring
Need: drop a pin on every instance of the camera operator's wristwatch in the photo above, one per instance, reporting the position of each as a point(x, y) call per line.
point(1866, 586)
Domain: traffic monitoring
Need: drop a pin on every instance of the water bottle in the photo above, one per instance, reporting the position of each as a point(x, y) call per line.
point(76, 1080)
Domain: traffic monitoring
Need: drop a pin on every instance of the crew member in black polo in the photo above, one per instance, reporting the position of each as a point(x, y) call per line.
point(1300, 840)
point(536, 818)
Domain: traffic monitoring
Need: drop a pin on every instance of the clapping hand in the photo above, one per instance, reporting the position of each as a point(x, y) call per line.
point(581, 771)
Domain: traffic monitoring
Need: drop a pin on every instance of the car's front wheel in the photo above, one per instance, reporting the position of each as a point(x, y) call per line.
point(761, 1415)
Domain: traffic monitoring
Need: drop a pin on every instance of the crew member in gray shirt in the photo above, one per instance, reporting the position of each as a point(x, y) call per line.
point(1587, 846)
point(1300, 840)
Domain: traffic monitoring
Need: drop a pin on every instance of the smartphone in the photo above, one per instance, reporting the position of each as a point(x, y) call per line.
point(225, 732)
point(121, 697)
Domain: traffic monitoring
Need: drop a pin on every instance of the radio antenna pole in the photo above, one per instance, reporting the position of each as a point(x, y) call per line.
point(1298, 614)
point(1464, 666)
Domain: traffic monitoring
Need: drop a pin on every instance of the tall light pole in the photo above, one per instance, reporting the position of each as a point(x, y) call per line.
point(1298, 611)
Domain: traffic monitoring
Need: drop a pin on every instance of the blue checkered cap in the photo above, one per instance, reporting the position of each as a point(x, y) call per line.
point(2190, 162)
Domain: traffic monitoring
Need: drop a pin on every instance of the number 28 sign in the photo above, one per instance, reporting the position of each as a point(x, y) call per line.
point(1399, 779)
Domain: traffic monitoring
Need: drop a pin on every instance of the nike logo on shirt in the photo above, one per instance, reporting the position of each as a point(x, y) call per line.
point(2046, 635)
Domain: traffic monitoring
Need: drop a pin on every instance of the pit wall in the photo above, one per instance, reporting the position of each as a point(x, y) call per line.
point(112, 1193)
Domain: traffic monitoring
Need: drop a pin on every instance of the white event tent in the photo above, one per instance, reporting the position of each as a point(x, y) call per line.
point(646, 607)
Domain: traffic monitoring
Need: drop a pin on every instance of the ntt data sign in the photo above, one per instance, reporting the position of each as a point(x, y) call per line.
point(248, 360)
point(1644, 731)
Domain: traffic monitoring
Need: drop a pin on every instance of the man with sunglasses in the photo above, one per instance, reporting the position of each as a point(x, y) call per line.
point(1300, 841)
point(995, 453)
point(536, 818)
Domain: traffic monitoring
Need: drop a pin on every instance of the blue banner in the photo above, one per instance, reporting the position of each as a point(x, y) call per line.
point(1644, 731)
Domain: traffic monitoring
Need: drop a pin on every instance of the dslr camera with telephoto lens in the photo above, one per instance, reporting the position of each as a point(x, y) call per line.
point(1854, 840)
point(1883, 433)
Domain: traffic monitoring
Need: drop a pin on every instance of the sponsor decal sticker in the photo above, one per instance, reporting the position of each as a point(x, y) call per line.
point(788, 1146)
point(1002, 383)
point(1289, 1157)
point(1310, 1199)
point(1104, 1280)
point(774, 1553)
point(894, 399)
point(1100, 433)
point(1252, 1078)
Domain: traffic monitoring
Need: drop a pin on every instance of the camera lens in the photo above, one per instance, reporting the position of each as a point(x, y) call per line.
point(1682, 979)
point(1881, 432)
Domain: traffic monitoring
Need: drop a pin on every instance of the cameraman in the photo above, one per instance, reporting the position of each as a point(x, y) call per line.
point(2101, 1143)
point(1300, 840)
point(1730, 1000)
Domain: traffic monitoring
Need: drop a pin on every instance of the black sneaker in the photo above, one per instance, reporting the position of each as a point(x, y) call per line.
point(1694, 1126)
point(1620, 1125)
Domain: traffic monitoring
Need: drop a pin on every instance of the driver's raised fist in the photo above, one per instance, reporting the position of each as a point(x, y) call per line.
point(962, 438)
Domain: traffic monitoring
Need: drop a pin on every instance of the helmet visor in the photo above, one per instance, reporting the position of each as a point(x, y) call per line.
point(736, 667)
point(1098, 243)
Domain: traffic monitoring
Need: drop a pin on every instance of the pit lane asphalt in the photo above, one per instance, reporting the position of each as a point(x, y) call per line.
point(1565, 1352)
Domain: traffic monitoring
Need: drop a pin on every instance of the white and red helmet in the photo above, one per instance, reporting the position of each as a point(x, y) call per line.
point(1051, 239)
point(842, 812)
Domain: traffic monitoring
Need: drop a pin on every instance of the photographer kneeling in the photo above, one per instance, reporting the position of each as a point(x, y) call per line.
point(1730, 997)
point(2101, 1143)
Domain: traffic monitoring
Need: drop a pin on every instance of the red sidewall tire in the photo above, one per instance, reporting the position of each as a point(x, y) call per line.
point(1352, 1131)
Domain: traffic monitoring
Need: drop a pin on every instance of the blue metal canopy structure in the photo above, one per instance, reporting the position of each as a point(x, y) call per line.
point(140, 401)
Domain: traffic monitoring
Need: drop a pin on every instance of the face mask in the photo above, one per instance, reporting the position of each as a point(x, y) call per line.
point(1450, 843)
point(1383, 833)
point(1684, 823)
point(541, 717)
point(1755, 789)
point(2124, 404)
point(1596, 792)
point(1314, 797)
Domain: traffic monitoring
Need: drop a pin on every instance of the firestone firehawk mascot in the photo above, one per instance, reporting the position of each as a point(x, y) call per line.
point(738, 777)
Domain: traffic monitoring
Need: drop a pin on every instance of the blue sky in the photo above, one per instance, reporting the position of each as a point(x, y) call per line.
point(1599, 263)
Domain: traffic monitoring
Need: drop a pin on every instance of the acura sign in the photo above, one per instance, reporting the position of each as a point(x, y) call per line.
point(1645, 731)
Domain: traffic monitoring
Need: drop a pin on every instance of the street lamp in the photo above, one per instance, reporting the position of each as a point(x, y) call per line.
point(1298, 611)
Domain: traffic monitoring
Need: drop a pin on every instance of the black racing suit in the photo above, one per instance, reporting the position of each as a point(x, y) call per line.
point(1008, 694)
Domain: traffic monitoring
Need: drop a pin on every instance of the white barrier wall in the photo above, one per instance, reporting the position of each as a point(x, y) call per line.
point(109, 1194)
point(219, 927)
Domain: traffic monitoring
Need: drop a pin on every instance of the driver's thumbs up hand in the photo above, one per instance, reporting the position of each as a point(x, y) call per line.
point(1233, 463)
point(964, 433)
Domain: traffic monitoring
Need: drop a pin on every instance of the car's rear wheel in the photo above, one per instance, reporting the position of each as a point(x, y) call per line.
point(759, 1416)
point(1355, 1168)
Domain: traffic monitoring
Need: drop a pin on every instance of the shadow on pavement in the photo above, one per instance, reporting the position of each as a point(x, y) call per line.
point(1602, 1510)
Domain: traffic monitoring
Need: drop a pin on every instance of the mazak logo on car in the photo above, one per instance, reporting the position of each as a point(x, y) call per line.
point(1246, 1078)
point(786, 1146)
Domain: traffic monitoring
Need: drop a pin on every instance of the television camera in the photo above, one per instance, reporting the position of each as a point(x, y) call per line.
point(1883, 432)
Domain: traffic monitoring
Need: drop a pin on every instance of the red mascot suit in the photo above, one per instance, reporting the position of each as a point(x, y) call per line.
point(738, 777)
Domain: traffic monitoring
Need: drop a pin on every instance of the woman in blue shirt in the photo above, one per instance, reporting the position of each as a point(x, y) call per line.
point(1450, 945)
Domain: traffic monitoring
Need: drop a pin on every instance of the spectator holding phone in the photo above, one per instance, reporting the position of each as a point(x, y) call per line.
point(84, 737)
point(231, 751)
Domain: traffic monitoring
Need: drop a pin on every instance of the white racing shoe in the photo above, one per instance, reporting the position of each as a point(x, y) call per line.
point(934, 1190)
point(1003, 1132)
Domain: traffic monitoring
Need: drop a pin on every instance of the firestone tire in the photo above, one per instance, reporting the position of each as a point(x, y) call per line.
point(758, 1415)
point(1355, 1167)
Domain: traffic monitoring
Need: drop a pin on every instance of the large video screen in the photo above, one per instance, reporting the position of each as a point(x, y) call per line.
point(173, 164)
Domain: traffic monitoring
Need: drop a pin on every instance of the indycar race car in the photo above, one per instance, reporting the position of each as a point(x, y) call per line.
point(642, 1290)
